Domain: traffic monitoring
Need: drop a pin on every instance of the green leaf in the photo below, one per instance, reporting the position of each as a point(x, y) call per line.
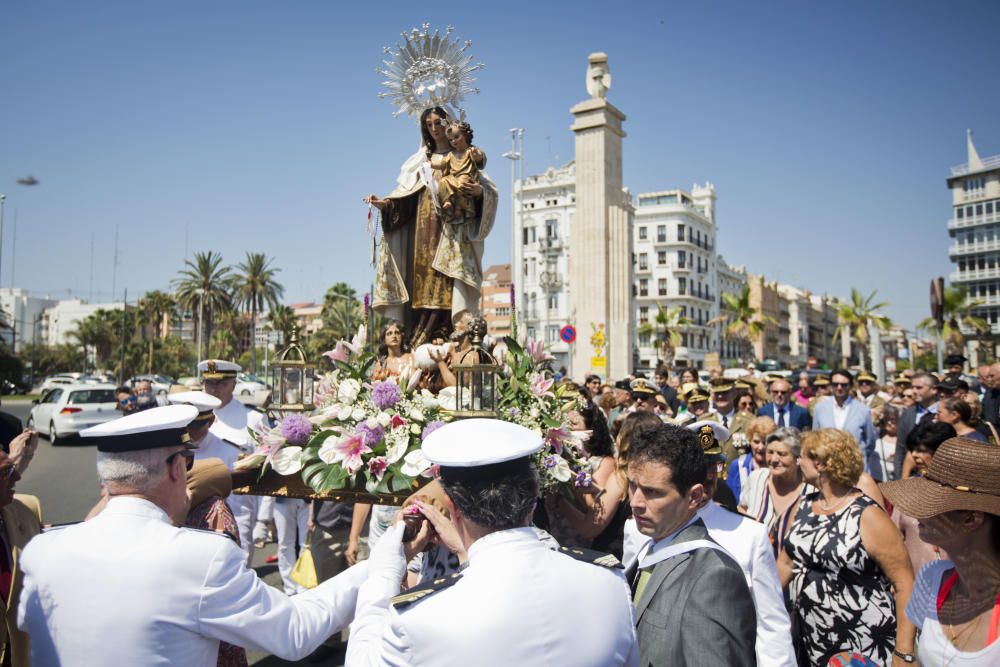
point(325, 476)
point(399, 482)
point(321, 437)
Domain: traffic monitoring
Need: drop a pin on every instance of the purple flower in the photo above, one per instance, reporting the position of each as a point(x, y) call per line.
point(368, 304)
point(430, 428)
point(370, 435)
point(550, 462)
point(296, 428)
point(512, 302)
point(514, 412)
point(583, 479)
point(386, 394)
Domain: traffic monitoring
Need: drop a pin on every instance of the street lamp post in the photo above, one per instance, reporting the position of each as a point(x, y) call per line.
point(516, 157)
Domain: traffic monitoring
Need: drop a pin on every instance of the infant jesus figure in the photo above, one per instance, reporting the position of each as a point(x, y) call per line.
point(459, 167)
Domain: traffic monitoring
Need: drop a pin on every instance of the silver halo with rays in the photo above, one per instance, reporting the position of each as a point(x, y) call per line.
point(428, 70)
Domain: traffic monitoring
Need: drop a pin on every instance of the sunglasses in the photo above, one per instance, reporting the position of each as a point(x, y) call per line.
point(127, 401)
point(841, 384)
point(188, 458)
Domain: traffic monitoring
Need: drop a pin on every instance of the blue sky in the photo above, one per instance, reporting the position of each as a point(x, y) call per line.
point(827, 129)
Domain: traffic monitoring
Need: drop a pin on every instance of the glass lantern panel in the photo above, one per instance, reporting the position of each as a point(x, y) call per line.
point(291, 385)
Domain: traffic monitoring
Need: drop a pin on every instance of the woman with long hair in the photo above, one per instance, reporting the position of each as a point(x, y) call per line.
point(394, 357)
point(958, 413)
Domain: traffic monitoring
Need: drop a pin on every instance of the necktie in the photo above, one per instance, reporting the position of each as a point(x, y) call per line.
point(725, 421)
point(640, 583)
point(781, 418)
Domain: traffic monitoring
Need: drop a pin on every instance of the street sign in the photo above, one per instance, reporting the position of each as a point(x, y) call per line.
point(568, 333)
point(598, 363)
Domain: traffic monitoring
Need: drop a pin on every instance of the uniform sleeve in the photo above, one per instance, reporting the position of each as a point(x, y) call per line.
point(774, 629)
point(239, 608)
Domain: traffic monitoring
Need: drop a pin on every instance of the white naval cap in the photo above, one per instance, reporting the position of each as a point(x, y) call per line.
point(149, 429)
point(710, 435)
point(217, 369)
point(204, 401)
point(480, 447)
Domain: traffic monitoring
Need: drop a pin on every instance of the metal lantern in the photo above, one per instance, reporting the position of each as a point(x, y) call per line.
point(292, 378)
point(476, 374)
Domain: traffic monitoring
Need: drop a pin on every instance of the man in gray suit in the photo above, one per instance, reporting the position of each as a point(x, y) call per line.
point(692, 603)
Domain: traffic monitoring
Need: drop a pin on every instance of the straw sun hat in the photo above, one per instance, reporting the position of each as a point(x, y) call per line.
point(964, 474)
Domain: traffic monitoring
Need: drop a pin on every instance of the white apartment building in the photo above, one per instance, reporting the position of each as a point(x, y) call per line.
point(676, 267)
point(544, 210)
point(975, 228)
point(21, 317)
point(60, 320)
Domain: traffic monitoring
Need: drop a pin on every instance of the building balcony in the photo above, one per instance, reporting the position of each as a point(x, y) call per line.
point(987, 245)
point(974, 221)
point(974, 274)
point(550, 245)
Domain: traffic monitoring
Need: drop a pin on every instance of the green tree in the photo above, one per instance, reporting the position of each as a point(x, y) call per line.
point(666, 327)
point(857, 316)
point(957, 308)
point(282, 319)
point(341, 315)
point(96, 335)
point(741, 321)
point(154, 308)
point(254, 287)
point(203, 287)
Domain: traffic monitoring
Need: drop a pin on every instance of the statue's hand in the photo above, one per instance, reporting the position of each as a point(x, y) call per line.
point(380, 204)
point(472, 190)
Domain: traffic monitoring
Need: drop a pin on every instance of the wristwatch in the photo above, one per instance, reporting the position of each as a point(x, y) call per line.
point(906, 657)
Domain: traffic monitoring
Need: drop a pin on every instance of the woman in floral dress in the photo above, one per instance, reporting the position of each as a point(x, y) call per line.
point(845, 561)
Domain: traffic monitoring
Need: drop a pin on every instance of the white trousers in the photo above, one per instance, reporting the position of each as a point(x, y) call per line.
point(291, 518)
point(245, 510)
point(265, 513)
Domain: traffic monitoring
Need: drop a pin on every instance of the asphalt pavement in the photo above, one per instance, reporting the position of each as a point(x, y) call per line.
point(64, 478)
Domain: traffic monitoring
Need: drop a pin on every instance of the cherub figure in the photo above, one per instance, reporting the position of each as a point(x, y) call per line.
point(459, 167)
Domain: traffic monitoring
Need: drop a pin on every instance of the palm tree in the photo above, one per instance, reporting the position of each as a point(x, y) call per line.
point(857, 316)
point(741, 320)
point(282, 319)
point(254, 287)
point(666, 327)
point(957, 308)
point(205, 284)
point(156, 306)
point(97, 332)
point(341, 315)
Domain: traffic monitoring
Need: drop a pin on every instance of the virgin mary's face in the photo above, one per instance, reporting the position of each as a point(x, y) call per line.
point(436, 128)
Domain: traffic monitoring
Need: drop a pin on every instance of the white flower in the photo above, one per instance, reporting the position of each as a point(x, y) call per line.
point(446, 398)
point(415, 429)
point(428, 399)
point(348, 391)
point(417, 415)
point(371, 422)
point(383, 420)
point(397, 441)
point(561, 471)
point(328, 452)
point(287, 460)
point(358, 414)
point(415, 463)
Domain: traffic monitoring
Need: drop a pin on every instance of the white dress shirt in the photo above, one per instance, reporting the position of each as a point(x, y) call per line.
point(747, 542)
point(129, 588)
point(517, 603)
point(840, 412)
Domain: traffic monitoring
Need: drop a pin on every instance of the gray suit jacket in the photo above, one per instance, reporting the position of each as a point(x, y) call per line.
point(696, 610)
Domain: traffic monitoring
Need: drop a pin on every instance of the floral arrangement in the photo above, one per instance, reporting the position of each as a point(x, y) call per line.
point(362, 435)
point(368, 435)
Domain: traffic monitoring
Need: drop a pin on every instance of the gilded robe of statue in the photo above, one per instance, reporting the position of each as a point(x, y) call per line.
point(422, 261)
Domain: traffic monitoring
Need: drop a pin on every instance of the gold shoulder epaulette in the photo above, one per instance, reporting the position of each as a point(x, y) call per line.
point(591, 556)
point(420, 592)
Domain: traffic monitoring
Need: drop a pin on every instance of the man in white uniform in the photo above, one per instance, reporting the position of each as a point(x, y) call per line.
point(207, 444)
point(130, 588)
point(515, 602)
point(232, 419)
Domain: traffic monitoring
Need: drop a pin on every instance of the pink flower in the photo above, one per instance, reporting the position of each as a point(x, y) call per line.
point(540, 386)
point(347, 450)
point(536, 349)
point(557, 438)
point(338, 353)
point(377, 466)
point(397, 421)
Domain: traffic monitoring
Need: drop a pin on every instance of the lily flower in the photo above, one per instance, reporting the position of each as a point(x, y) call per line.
point(338, 353)
point(559, 437)
point(540, 386)
point(347, 450)
point(536, 349)
point(377, 466)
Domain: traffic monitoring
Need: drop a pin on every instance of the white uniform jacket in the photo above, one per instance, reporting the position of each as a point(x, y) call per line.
point(232, 421)
point(213, 447)
point(129, 588)
point(747, 542)
point(517, 603)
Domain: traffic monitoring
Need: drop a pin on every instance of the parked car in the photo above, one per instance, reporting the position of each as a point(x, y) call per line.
point(248, 384)
point(58, 380)
point(68, 409)
point(161, 384)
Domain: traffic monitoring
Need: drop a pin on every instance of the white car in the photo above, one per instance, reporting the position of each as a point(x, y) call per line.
point(58, 381)
point(67, 409)
point(248, 384)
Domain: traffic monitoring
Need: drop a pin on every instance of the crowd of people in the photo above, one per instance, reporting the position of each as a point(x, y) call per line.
point(807, 519)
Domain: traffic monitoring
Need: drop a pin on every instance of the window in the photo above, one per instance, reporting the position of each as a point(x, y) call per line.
point(643, 261)
point(961, 213)
point(531, 333)
point(643, 314)
point(661, 233)
point(529, 235)
point(661, 286)
point(553, 301)
point(503, 311)
point(644, 339)
point(552, 229)
point(642, 233)
point(989, 207)
point(680, 232)
point(661, 257)
point(552, 333)
point(682, 286)
point(643, 287)
point(681, 259)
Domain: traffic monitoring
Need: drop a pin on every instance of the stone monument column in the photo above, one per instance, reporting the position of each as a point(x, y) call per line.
point(600, 258)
